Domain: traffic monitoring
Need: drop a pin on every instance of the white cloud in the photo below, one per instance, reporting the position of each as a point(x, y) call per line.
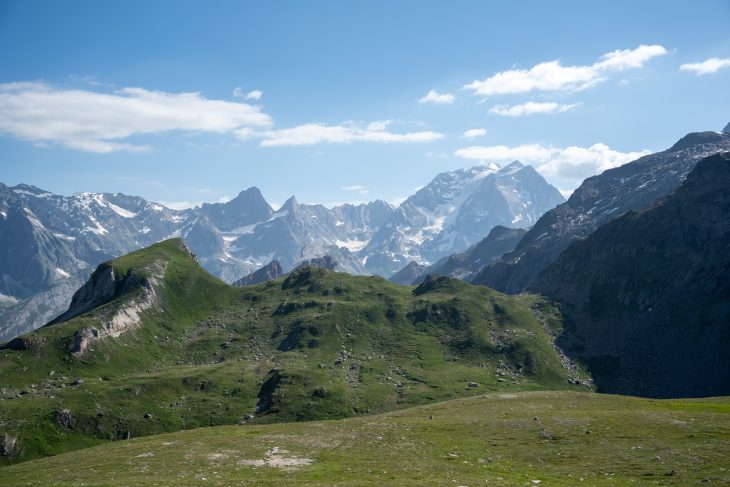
point(708, 66)
point(224, 199)
point(437, 98)
point(357, 188)
point(620, 60)
point(472, 133)
point(317, 133)
point(93, 121)
point(566, 167)
point(239, 92)
point(553, 76)
point(530, 108)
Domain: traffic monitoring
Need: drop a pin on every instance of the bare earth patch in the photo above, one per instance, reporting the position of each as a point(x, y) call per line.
point(275, 457)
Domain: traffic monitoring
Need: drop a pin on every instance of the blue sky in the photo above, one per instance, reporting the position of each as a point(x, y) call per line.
point(195, 101)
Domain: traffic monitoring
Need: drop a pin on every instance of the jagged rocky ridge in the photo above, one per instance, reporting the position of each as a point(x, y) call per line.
point(648, 293)
point(49, 244)
point(597, 201)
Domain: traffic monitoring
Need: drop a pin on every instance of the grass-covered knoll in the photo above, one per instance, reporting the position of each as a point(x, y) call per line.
point(312, 345)
point(511, 439)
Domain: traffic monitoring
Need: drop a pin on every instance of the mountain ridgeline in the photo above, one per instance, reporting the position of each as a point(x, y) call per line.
point(598, 200)
point(648, 294)
point(162, 345)
point(51, 243)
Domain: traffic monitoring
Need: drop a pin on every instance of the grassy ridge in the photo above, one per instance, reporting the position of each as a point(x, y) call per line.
point(556, 438)
point(313, 345)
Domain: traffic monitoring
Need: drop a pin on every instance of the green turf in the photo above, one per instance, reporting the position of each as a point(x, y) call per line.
point(521, 439)
point(313, 345)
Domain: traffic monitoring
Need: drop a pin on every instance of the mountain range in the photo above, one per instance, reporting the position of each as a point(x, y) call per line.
point(49, 243)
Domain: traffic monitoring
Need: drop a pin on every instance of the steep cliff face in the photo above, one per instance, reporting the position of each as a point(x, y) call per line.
point(648, 294)
point(120, 294)
point(126, 317)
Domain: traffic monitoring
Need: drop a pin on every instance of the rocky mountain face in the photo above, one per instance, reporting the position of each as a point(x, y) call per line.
point(411, 273)
point(463, 265)
point(456, 210)
point(50, 243)
point(648, 294)
point(597, 201)
point(269, 272)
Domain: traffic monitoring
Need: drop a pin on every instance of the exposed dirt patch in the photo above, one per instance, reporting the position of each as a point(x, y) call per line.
point(276, 457)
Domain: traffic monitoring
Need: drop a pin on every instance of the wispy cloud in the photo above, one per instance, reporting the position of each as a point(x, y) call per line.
point(553, 76)
point(709, 66)
point(473, 133)
point(564, 167)
point(92, 121)
point(531, 108)
point(437, 98)
point(100, 122)
point(345, 133)
point(356, 188)
point(255, 95)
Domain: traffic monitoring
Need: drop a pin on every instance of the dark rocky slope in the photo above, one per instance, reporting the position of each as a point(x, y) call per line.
point(649, 293)
point(597, 201)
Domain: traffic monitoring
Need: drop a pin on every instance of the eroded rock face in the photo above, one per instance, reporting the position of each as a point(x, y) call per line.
point(9, 446)
point(127, 316)
point(102, 286)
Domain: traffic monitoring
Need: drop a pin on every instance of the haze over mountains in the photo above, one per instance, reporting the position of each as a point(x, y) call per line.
point(51, 243)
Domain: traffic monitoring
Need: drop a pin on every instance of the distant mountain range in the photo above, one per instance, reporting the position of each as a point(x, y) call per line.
point(50, 243)
point(511, 259)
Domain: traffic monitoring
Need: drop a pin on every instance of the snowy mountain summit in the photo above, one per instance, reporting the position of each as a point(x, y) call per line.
point(456, 210)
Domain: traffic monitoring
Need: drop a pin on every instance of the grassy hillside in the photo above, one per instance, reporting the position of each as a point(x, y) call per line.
point(514, 439)
point(312, 345)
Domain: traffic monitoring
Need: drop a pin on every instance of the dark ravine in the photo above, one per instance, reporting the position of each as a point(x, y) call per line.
point(648, 294)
